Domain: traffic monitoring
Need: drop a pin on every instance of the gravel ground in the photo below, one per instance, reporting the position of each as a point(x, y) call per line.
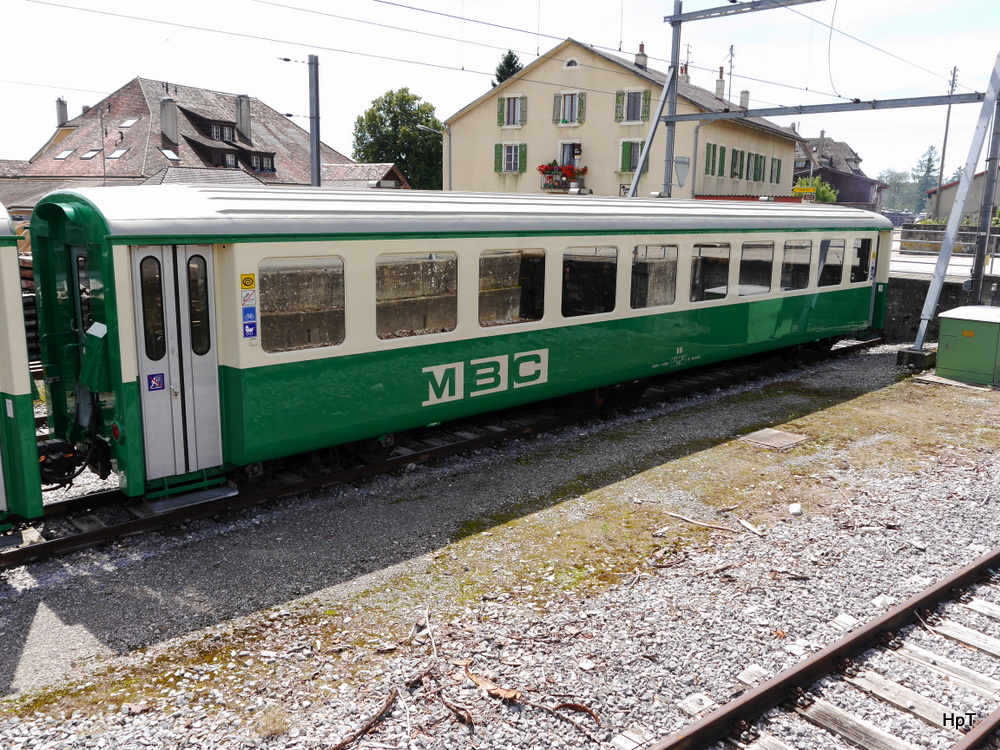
point(543, 594)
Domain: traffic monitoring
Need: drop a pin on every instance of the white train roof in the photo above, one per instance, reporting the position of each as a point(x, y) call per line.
point(7, 235)
point(225, 211)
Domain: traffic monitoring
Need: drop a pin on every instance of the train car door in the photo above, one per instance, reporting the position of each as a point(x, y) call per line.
point(177, 357)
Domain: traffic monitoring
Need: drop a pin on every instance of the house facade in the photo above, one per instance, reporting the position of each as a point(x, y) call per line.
point(577, 116)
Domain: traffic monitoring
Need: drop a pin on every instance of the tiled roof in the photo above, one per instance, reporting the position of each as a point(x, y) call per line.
point(201, 175)
point(143, 141)
point(24, 194)
point(360, 175)
point(12, 167)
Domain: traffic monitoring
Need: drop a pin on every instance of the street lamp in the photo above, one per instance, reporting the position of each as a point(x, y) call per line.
point(445, 135)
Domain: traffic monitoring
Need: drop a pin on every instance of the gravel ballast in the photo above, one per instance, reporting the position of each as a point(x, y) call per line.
point(554, 592)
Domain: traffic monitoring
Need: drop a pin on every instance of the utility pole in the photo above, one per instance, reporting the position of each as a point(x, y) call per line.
point(944, 146)
point(669, 97)
point(314, 143)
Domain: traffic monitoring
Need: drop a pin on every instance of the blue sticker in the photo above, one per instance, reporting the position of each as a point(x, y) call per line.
point(249, 330)
point(155, 382)
point(249, 314)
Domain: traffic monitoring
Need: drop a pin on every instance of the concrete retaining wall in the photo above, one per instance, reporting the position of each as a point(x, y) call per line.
point(906, 300)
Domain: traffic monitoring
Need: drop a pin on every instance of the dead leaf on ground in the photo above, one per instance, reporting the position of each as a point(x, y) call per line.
point(492, 689)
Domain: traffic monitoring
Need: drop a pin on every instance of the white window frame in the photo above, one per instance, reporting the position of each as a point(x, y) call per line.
point(512, 112)
point(129, 122)
point(266, 162)
point(511, 158)
point(91, 154)
point(634, 154)
point(169, 153)
point(118, 153)
point(629, 93)
point(64, 154)
point(255, 161)
point(216, 132)
point(567, 97)
point(229, 159)
point(228, 133)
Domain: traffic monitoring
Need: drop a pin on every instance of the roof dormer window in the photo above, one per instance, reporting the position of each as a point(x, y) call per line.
point(169, 153)
point(92, 153)
point(129, 123)
point(64, 154)
point(118, 153)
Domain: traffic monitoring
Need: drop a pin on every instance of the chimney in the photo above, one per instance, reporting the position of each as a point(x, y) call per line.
point(243, 115)
point(62, 112)
point(684, 77)
point(168, 119)
point(745, 99)
point(85, 109)
point(641, 59)
point(720, 86)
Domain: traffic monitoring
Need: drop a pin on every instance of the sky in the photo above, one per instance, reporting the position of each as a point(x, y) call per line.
point(447, 51)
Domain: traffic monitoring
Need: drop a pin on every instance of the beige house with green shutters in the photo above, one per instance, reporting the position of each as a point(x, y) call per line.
point(578, 117)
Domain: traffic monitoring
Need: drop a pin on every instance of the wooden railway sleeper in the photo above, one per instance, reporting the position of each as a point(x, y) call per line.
point(889, 639)
point(847, 667)
point(799, 697)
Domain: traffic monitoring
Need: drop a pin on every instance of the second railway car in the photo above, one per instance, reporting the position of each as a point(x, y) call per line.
point(190, 331)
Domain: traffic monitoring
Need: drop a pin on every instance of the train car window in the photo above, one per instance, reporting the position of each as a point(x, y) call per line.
point(588, 280)
point(831, 262)
point(201, 339)
point(511, 286)
point(301, 304)
point(654, 276)
point(861, 261)
point(709, 271)
point(153, 331)
point(795, 264)
point(756, 262)
point(415, 294)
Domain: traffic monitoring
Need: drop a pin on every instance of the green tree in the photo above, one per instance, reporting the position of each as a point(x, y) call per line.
point(510, 65)
point(901, 194)
point(388, 132)
point(924, 175)
point(825, 192)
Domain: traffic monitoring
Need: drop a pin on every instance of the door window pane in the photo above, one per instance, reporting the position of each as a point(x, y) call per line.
point(201, 339)
point(862, 259)
point(151, 284)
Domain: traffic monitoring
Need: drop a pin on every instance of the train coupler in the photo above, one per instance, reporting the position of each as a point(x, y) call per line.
point(58, 461)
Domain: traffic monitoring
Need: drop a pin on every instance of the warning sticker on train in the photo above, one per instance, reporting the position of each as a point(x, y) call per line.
point(248, 280)
point(249, 298)
point(155, 382)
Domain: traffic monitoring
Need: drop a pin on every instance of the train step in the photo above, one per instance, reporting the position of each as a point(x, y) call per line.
point(168, 504)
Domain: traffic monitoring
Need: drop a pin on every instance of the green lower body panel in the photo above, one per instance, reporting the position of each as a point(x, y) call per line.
point(19, 451)
point(284, 409)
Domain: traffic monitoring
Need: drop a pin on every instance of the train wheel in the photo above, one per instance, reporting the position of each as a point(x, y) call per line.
point(375, 450)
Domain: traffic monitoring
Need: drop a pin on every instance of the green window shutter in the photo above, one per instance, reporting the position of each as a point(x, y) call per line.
point(501, 110)
point(743, 156)
point(708, 158)
point(522, 157)
point(647, 98)
point(581, 111)
point(557, 108)
point(524, 110)
point(777, 171)
point(645, 167)
point(734, 162)
point(619, 107)
point(498, 157)
point(626, 164)
point(722, 161)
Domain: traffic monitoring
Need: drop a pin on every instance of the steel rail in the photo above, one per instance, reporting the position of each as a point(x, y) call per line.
point(751, 705)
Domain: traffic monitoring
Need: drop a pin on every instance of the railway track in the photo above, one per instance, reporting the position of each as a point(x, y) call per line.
point(756, 719)
point(94, 519)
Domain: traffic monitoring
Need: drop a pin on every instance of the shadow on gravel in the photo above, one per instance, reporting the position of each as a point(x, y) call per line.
point(150, 589)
